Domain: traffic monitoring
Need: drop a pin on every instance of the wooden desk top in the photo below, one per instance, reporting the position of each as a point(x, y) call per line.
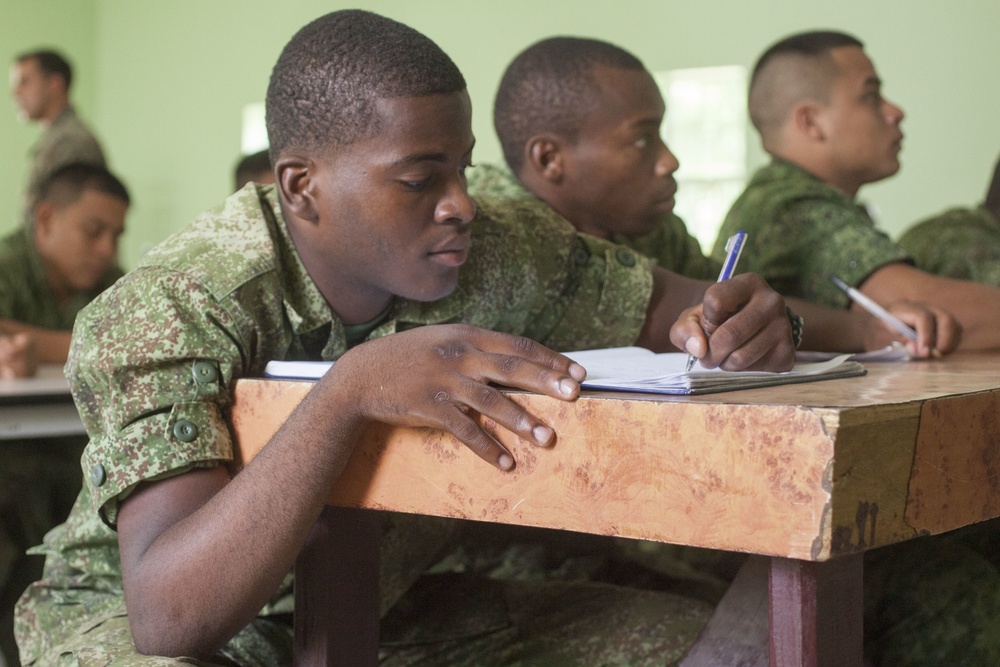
point(806, 471)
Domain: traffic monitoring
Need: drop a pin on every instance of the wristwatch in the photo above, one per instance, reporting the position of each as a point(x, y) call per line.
point(797, 323)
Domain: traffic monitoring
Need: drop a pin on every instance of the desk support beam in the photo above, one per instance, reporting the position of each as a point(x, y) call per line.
point(817, 617)
point(337, 615)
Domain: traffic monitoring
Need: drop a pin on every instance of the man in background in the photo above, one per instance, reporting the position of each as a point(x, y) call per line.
point(40, 83)
point(961, 242)
point(49, 270)
point(255, 167)
point(817, 102)
point(579, 121)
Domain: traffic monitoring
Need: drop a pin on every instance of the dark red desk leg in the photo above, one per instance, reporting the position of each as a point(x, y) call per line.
point(816, 612)
point(336, 591)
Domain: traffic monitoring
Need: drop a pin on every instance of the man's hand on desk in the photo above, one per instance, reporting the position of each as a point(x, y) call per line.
point(936, 329)
point(18, 358)
point(49, 346)
point(437, 375)
point(741, 324)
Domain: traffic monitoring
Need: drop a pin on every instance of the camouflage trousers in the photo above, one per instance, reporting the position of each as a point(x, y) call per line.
point(462, 620)
point(935, 600)
point(39, 479)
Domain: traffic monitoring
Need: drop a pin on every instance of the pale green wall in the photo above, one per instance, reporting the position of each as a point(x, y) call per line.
point(24, 26)
point(170, 78)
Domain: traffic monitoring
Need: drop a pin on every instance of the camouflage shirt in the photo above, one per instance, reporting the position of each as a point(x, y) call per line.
point(670, 244)
point(800, 230)
point(67, 140)
point(154, 359)
point(25, 294)
point(961, 243)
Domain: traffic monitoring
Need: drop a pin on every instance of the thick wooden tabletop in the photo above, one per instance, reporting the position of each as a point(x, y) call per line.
point(806, 471)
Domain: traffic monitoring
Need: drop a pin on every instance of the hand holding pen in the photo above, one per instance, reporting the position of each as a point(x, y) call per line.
point(881, 313)
point(734, 246)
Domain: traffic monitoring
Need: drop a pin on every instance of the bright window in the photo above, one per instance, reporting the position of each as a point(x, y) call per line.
point(706, 128)
point(254, 136)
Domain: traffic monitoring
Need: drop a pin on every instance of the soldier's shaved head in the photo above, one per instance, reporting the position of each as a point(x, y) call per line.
point(798, 68)
point(324, 86)
point(551, 87)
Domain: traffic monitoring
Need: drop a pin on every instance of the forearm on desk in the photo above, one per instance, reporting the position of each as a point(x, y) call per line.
point(51, 345)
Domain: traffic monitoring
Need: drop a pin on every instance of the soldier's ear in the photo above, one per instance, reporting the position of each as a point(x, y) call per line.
point(808, 120)
point(296, 183)
point(545, 155)
point(43, 214)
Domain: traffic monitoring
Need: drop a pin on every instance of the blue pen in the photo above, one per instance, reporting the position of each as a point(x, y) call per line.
point(734, 246)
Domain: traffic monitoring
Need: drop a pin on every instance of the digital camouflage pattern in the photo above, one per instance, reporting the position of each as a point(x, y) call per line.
point(39, 477)
point(935, 601)
point(961, 243)
point(670, 244)
point(151, 368)
point(800, 230)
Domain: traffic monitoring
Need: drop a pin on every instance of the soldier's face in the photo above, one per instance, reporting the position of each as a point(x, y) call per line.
point(619, 173)
point(396, 206)
point(30, 89)
point(861, 126)
point(79, 242)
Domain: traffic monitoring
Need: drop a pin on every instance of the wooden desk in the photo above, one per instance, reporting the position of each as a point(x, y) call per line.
point(38, 407)
point(809, 475)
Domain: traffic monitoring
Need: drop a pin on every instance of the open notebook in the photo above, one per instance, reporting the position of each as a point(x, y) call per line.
point(639, 369)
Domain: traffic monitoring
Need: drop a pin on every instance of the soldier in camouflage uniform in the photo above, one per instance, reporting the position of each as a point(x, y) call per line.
point(579, 123)
point(815, 99)
point(800, 212)
point(961, 243)
point(40, 82)
point(354, 250)
point(48, 272)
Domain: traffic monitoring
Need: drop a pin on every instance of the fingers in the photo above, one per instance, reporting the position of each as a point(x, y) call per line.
point(443, 377)
point(17, 359)
point(746, 326)
point(938, 332)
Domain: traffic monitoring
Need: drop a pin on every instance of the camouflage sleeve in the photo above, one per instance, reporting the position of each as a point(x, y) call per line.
point(150, 366)
point(811, 239)
point(532, 274)
point(674, 249)
point(959, 243)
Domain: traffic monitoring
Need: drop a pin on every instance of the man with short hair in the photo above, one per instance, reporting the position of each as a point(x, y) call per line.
point(817, 102)
point(40, 84)
point(254, 167)
point(579, 121)
point(48, 272)
point(350, 256)
point(961, 242)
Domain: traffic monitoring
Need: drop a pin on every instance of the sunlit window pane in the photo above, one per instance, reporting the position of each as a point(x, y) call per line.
point(706, 128)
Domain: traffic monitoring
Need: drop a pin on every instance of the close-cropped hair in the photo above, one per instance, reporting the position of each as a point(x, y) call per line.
point(793, 69)
point(551, 87)
point(50, 62)
point(325, 84)
point(66, 185)
point(807, 44)
point(250, 166)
